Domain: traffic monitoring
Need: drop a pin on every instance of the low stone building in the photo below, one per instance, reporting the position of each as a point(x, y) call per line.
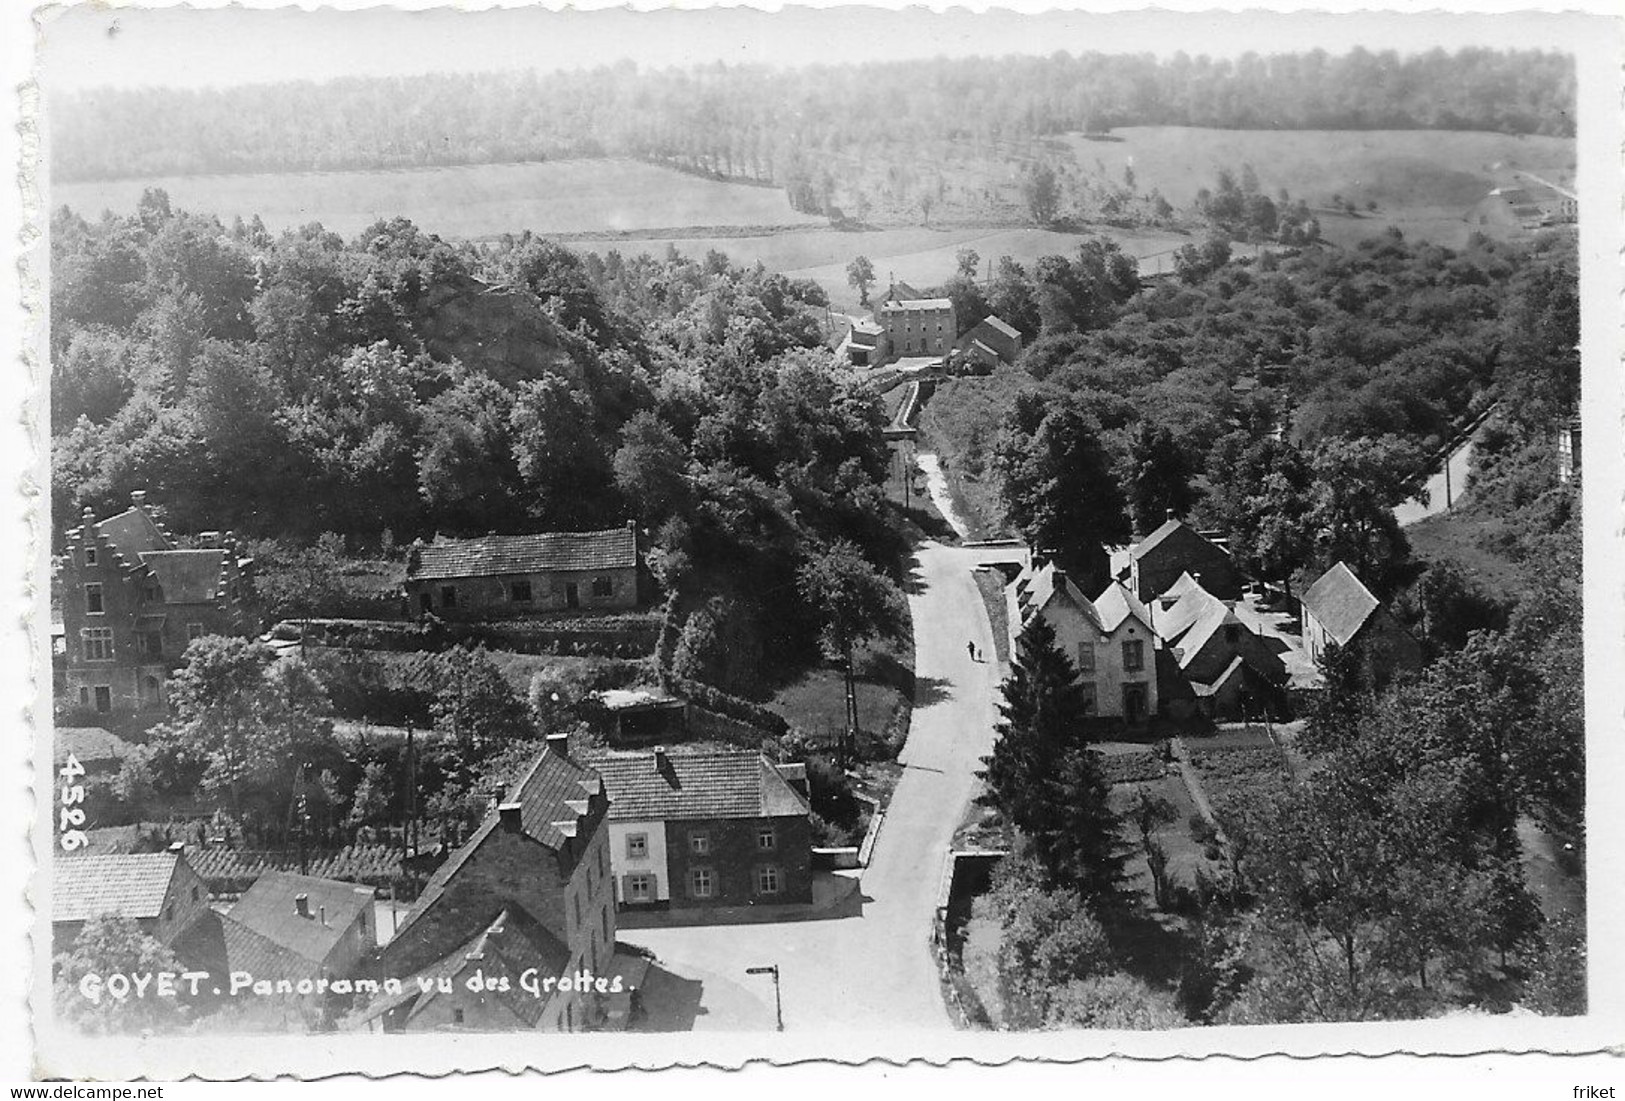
point(1232, 672)
point(158, 891)
point(1157, 561)
point(1339, 610)
point(990, 342)
point(506, 576)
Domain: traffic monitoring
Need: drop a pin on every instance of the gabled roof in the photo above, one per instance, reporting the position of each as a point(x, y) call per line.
point(189, 576)
point(1035, 588)
point(252, 951)
point(268, 909)
point(919, 304)
point(131, 885)
point(898, 292)
point(726, 783)
point(1185, 584)
point(496, 555)
point(1340, 603)
point(1169, 529)
point(512, 943)
point(87, 744)
point(549, 795)
point(994, 321)
point(1235, 670)
point(132, 533)
point(1117, 604)
point(1190, 609)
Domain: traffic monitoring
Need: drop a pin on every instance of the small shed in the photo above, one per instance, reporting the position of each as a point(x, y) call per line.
point(641, 716)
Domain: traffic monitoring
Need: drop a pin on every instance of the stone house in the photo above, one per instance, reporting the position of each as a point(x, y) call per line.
point(160, 892)
point(534, 881)
point(133, 599)
point(1157, 561)
point(865, 344)
point(705, 829)
point(990, 342)
point(506, 576)
point(1232, 672)
point(1339, 609)
point(914, 325)
point(1110, 640)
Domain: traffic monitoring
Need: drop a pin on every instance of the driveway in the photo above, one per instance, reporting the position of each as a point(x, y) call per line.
point(874, 970)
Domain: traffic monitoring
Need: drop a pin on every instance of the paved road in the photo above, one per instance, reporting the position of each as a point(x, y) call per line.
point(1445, 487)
point(873, 971)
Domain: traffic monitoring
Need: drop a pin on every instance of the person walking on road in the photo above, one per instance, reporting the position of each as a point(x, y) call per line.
point(970, 648)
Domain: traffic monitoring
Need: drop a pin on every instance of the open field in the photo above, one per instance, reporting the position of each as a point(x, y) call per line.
point(553, 197)
point(1421, 180)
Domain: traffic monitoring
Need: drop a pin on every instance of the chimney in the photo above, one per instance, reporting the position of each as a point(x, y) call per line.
point(559, 743)
point(662, 761)
point(1060, 578)
point(177, 846)
point(301, 905)
point(508, 816)
point(323, 912)
point(138, 498)
point(1170, 515)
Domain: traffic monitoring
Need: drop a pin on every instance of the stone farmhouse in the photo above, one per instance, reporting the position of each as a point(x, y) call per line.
point(915, 325)
point(133, 598)
point(505, 576)
point(1157, 561)
point(531, 886)
point(1338, 609)
point(705, 829)
point(1110, 640)
point(989, 343)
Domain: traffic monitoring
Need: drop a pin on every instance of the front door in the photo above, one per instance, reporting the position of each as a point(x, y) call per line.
point(1134, 703)
point(572, 595)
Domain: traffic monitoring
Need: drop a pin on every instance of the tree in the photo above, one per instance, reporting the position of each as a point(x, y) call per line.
point(1157, 478)
point(861, 274)
point(854, 603)
point(112, 945)
point(1117, 1000)
point(557, 452)
point(966, 261)
point(1147, 812)
point(1041, 191)
point(474, 702)
point(650, 468)
point(1043, 776)
point(1357, 485)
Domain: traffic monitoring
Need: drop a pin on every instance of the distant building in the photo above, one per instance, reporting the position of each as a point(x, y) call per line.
point(866, 344)
point(639, 716)
point(1157, 561)
point(916, 326)
point(1231, 671)
point(158, 891)
point(1568, 450)
point(533, 884)
point(517, 575)
point(1339, 609)
point(132, 599)
point(1110, 641)
point(990, 342)
point(708, 828)
point(300, 926)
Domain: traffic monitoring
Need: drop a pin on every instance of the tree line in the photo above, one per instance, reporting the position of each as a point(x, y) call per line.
point(784, 125)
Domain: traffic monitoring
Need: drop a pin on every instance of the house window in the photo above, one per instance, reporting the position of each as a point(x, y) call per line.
point(104, 698)
point(767, 880)
point(699, 843)
point(194, 899)
point(520, 590)
point(603, 586)
point(84, 696)
point(97, 643)
point(448, 596)
point(457, 1016)
point(1090, 703)
point(93, 598)
point(1086, 656)
point(1134, 655)
point(150, 643)
point(701, 883)
point(90, 556)
point(767, 839)
point(603, 921)
point(194, 631)
point(640, 887)
point(637, 846)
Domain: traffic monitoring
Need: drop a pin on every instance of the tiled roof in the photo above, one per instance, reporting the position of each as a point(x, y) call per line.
point(548, 794)
point(131, 885)
point(267, 908)
point(1116, 604)
point(513, 942)
point(1150, 542)
point(133, 533)
point(87, 744)
point(498, 555)
point(994, 321)
point(728, 783)
point(920, 304)
point(188, 576)
point(1340, 603)
point(252, 951)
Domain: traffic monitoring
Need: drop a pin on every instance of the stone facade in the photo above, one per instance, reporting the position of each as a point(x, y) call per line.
point(734, 865)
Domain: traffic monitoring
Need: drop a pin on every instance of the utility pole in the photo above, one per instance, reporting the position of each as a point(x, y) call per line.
point(778, 1001)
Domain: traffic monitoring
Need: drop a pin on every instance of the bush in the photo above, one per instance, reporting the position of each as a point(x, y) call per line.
point(1048, 939)
point(1112, 1001)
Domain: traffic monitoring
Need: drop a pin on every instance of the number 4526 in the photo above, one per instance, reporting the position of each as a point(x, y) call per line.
point(72, 815)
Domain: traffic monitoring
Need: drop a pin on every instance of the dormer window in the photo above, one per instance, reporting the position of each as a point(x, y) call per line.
point(90, 556)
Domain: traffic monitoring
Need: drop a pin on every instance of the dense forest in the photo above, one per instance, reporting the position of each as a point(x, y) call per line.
point(784, 126)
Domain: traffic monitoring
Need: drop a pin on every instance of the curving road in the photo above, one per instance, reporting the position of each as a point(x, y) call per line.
point(875, 970)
